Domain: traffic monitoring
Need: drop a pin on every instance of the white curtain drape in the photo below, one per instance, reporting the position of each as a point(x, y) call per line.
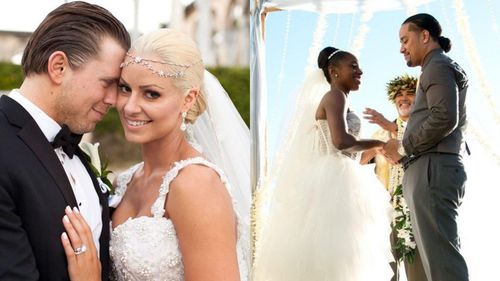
point(339, 6)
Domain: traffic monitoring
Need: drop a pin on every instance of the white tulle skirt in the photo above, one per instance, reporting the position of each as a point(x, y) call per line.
point(330, 222)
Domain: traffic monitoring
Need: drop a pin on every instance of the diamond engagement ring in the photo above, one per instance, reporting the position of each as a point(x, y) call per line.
point(80, 250)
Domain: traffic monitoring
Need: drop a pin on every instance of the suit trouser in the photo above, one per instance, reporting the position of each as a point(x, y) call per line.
point(414, 271)
point(433, 186)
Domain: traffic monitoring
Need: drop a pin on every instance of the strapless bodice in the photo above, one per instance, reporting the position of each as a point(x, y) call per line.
point(323, 138)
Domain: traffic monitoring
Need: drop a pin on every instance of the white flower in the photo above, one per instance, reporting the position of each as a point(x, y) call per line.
point(104, 187)
point(114, 200)
point(403, 234)
point(92, 151)
point(402, 203)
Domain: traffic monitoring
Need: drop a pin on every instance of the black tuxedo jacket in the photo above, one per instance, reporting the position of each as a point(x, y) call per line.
point(34, 190)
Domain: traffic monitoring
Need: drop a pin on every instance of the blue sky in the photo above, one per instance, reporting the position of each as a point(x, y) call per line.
point(379, 58)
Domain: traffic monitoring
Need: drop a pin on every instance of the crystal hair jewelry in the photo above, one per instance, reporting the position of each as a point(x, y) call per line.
point(183, 125)
point(147, 63)
point(333, 54)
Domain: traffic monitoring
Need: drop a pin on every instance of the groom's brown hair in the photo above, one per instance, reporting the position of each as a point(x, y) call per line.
point(75, 28)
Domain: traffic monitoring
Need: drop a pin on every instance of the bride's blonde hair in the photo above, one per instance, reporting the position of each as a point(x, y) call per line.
point(179, 55)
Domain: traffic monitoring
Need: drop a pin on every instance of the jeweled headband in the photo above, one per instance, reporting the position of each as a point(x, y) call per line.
point(146, 63)
point(333, 54)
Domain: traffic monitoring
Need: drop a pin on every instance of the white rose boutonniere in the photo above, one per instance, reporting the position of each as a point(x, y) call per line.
point(99, 168)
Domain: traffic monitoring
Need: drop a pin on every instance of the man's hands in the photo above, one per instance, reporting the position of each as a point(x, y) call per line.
point(375, 117)
point(390, 151)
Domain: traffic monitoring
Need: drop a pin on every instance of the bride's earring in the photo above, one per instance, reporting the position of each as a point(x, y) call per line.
point(183, 125)
point(336, 75)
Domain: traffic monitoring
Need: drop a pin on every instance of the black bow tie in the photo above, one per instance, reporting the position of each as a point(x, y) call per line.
point(67, 140)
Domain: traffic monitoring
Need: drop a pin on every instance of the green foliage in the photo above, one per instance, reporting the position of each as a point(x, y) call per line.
point(236, 81)
point(11, 76)
point(404, 82)
point(110, 124)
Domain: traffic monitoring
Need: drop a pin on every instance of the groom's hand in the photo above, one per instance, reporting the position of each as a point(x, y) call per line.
point(390, 151)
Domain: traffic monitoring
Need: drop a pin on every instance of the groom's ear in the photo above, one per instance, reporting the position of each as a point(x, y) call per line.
point(190, 98)
point(425, 36)
point(57, 66)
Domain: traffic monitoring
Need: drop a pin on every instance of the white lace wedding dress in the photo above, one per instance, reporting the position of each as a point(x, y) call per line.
point(329, 217)
point(147, 248)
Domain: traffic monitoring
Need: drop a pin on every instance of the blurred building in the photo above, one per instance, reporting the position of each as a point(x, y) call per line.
point(12, 45)
point(221, 28)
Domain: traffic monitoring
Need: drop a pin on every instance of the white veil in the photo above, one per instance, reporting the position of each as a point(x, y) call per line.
point(224, 139)
point(301, 122)
point(312, 194)
point(297, 149)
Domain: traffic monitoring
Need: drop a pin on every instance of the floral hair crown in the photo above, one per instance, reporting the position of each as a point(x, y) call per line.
point(147, 63)
point(404, 82)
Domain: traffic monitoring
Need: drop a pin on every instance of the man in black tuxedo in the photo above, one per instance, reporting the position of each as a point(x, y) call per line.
point(71, 66)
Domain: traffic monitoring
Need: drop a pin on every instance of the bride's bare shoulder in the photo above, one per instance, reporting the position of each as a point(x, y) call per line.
point(198, 183)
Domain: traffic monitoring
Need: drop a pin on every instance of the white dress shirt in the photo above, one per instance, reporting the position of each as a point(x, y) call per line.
point(81, 182)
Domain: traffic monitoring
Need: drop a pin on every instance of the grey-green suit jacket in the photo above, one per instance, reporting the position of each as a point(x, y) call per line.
point(437, 120)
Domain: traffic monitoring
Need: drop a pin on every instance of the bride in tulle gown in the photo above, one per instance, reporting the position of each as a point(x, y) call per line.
point(329, 217)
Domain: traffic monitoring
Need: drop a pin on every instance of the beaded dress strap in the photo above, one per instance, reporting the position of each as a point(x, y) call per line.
point(158, 208)
point(123, 179)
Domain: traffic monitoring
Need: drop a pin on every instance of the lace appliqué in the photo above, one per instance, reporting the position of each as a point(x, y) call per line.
point(353, 124)
point(147, 248)
point(323, 139)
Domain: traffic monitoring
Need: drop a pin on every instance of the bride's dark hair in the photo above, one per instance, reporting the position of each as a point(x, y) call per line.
point(330, 56)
